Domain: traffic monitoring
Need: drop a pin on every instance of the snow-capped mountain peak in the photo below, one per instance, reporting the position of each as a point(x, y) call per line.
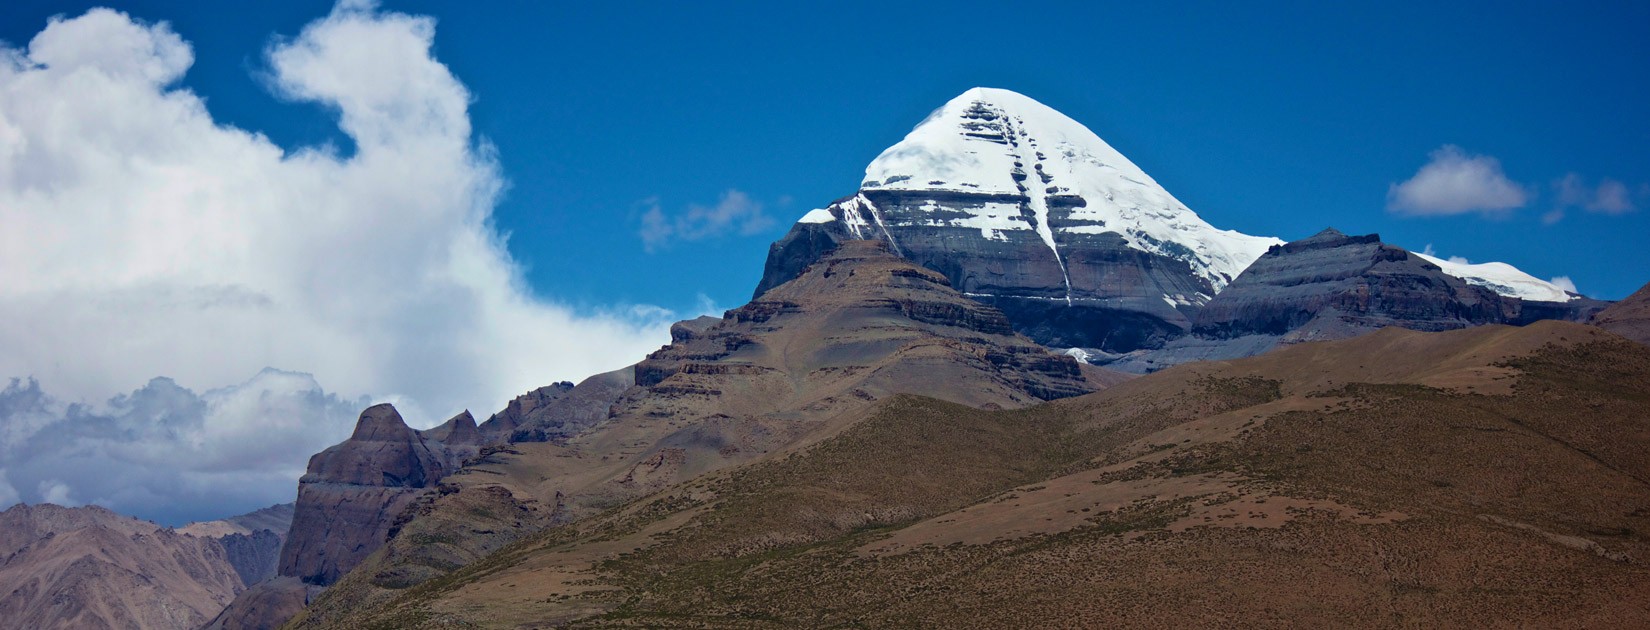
point(994, 142)
point(969, 144)
point(1027, 210)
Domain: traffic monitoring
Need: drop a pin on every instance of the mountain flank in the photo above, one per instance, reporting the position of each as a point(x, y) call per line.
point(1486, 476)
point(1629, 318)
point(1335, 286)
point(87, 567)
point(791, 368)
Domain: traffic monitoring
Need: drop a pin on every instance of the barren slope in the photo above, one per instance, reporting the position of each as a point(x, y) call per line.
point(91, 568)
point(796, 366)
point(1490, 476)
point(1629, 318)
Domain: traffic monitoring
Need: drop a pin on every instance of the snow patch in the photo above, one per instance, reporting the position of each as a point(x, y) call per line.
point(820, 215)
point(991, 219)
point(1502, 278)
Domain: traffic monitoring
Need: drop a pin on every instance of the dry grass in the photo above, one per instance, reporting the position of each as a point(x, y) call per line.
point(1514, 492)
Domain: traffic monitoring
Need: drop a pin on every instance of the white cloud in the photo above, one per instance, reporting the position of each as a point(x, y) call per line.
point(736, 212)
point(1454, 182)
point(54, 491)
point(704, 305)
point(138, 236)
point(165, 453)
point(1609, 197)
point(1564, 282)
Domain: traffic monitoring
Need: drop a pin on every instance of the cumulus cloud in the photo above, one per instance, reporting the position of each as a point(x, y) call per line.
point(1454, 182)
point(165, 453)
point(140, 237)
point(736, 212)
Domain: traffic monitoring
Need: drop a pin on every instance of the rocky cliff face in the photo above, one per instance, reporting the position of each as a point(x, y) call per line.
point(349, 501)
point(91, 568)
point(255, 556)
point(556, 412)
point(252, 541)
point(460, 439)
point(1023, 208)
point(889, 286)
point(353, 491)
point(1335, 286)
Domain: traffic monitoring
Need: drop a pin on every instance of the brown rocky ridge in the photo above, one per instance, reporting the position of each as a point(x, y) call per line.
point(348, 503)
point(1336, 286)
point(1490, 476)
point(89, 568)
point(794, 367)
point(1629, 318)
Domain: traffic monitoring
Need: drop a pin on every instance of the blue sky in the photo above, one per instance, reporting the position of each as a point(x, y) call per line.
point(192, 193)
point(1270, 119)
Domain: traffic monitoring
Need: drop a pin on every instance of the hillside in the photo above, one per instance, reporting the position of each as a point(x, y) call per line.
point(798, 365)
point(1629, 318)
point(88, 567)
point(1487, 476)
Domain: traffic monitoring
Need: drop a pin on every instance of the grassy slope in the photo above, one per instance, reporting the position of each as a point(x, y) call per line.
point(1197, 496)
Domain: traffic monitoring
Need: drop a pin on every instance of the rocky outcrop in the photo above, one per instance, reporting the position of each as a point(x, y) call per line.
point(460, 439)
point(1629, 318)
point(91, 568)
point(518, 412)
point(1335, 286)
point(556, 412)
point(349, 502)
point(353, 491)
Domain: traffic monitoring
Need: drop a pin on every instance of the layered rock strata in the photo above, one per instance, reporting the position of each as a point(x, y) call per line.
point(1335, 286)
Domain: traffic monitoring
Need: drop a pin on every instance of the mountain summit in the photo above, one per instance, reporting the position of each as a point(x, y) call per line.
point(990, 142)
point(1027, 210)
